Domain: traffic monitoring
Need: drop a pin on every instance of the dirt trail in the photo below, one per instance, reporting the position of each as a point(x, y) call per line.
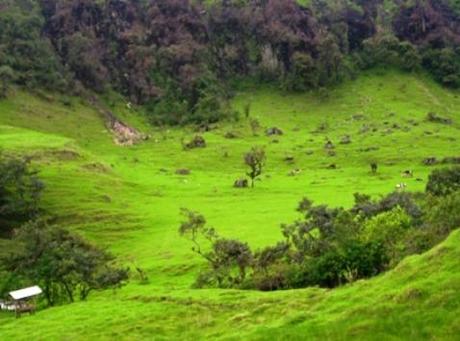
point(123, 134)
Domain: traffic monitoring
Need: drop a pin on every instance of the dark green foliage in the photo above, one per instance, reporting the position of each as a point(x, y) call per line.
point(26, 51)
point(7, 76)
point(329, 247)
point(355, 261)
point(20, 191)
point(444, 64)
point(390, 51)
point(176, 57)
point(228, 260)
point(444, 181)
point(63, 264)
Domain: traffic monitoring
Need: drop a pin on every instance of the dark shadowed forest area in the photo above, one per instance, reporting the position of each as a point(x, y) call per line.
point(180, 57)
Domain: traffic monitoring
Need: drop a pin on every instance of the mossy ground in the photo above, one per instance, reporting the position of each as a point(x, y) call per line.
point(128, 200)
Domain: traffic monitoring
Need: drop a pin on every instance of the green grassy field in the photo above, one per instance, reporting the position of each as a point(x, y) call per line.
point(128, 200)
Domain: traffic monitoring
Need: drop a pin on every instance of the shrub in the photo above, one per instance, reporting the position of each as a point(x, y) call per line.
point(444, 181)
point(389, 229)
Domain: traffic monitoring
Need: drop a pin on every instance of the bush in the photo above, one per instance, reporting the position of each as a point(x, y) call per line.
point(389, 229)
point(442, 182)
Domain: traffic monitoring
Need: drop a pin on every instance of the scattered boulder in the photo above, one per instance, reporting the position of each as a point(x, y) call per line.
point(430, 161)
point(289, 159)
point(295, 172)
point(358, 117)
point(329, 145)
point(107, 199)
point(369, 149)
point(183, 171)
point(364, 129)
point(96, 167)
point(413, 122)
point(331, 153)
point(435, 118)
point(407, 174)
point(205, 127)
point(66, 155)
point(274, 131)
point(197, 142)
point(231, 135)
point(345, 139)
point(322, 128)
point(241, 183)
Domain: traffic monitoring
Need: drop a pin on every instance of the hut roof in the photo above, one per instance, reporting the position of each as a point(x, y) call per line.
point(26, 293)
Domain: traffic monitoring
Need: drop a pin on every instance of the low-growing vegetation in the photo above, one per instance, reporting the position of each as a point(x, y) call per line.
point(329, 247)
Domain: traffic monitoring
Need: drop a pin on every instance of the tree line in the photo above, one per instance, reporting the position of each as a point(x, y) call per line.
point(178, 57)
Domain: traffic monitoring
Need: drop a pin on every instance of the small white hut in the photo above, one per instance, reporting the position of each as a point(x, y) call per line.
point(24, 300)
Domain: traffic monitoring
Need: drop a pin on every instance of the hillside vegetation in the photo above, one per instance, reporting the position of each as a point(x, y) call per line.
point(128, 199)
point(230, 169)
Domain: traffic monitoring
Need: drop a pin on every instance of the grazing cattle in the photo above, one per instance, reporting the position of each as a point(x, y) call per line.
point(407, 174)
point(430, 161)
point(401, 186)
point(273, 131)
point(295, 172)
point(241, 183)
point(374, 167)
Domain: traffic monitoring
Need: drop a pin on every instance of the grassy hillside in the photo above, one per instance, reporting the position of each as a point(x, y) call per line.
point(128, 200)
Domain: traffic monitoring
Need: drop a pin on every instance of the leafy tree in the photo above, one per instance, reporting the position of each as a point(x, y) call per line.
point(6, 77)
point(255, 160)
point(444, 65)
point(63, 264)
point(20, 192)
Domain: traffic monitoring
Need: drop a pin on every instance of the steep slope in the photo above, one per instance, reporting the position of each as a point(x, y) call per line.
point(417, 300)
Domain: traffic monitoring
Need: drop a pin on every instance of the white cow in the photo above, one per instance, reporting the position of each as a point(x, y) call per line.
point(401, 186)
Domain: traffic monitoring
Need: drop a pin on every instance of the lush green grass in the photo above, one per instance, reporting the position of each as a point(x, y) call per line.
point(128, 199)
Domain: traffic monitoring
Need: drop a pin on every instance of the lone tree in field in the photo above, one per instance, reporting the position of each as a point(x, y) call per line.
point(255, 160)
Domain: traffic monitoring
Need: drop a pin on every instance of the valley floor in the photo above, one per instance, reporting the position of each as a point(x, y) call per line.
point(128, 199)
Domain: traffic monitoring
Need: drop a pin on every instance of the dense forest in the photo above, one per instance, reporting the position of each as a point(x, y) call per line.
point(179, 58)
